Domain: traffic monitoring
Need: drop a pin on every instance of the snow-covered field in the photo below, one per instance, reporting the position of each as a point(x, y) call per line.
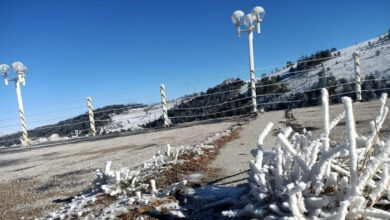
point(135, 118)
point(343, 66)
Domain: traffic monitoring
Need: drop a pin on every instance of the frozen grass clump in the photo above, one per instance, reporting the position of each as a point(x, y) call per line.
point(116, 193)
point(302, 177)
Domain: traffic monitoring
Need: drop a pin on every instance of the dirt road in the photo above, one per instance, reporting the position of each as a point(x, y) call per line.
point(36, 179)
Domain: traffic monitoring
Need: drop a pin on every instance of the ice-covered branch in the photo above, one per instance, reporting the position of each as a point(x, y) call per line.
point(309, 178)
point(260, 141)
point(351, 136)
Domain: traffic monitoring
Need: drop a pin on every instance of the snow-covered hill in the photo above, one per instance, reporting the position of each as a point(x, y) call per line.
point(374, 60)
point(133, 119)
point(341, 65)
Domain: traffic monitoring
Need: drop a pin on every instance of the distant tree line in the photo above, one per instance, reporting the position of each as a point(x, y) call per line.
point(68, 127)
point(309, 62)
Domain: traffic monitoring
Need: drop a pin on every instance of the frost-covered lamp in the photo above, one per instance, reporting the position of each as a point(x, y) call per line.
point(237, 18)
point(258, 15)
point(249, 20)
point(252, 21)
point(4, 68)
point(21, 70)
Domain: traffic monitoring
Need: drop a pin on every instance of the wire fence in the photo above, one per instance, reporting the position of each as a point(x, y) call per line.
point(215, 103)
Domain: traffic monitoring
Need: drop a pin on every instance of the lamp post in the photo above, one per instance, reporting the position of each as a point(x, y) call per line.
point(20, 70)
point(252, 22)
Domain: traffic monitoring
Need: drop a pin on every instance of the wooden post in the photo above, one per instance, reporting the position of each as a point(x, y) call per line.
point(356, 55)
point(164, 105)
point(91, 116)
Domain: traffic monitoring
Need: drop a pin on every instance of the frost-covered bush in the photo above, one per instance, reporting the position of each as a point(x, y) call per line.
point(129, 188)
point(302, 177)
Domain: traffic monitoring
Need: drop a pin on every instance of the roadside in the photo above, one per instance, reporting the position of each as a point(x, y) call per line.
point(231, 165)
point(38, 179)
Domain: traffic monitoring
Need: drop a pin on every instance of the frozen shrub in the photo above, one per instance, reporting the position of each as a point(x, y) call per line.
point(302, 177)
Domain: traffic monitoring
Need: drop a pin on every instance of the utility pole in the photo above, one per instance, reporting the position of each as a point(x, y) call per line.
point(20, 69)
point(252, 21)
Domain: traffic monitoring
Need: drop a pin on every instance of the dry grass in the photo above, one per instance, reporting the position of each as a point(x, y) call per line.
point(194, 163)
point(17, 198)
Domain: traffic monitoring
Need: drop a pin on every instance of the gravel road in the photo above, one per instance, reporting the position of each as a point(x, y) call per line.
point(233, 160)
point(36, 179)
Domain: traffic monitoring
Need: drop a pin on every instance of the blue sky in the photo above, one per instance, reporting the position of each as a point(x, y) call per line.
point(118, 51)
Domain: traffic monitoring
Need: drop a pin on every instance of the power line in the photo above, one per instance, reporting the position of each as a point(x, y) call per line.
point(208, 106)
point(214, 113)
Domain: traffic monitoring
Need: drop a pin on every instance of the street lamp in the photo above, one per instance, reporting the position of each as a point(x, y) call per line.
point(252, 22)
point(20, 70)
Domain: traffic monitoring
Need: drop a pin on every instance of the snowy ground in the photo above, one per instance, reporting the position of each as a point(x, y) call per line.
point(38, 178)
point(343, 66)
point(135, 118)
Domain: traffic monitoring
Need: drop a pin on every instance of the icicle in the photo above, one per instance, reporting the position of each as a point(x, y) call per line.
point(263, 134)
point(291, 150)
point(139, 195)
point(259, 158)
point(118, 177)
point(351, 135)
point(373, 166)
point(383, 184)
point(108, 166)
point(314, 153)
point(374, 213)
point(331, 180)
point(168, 150)
point(153, 185)
point(325, 115)
point(336, 120)
point(292, 192)
point(176, 155)
point(133, 182)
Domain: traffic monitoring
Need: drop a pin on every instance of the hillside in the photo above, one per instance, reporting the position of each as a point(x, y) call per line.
point(72, 127)
point(295, 85)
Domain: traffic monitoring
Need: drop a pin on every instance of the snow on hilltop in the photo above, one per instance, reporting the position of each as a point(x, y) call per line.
point(374, 59)
point(341, 65)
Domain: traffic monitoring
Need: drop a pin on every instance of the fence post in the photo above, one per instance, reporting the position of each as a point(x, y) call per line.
point(356, 55)
point(323, 76)
point(164, 105)
point(91, 116)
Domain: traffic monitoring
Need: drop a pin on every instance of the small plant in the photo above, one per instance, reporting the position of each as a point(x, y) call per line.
point(377, 52)
point(302, 178)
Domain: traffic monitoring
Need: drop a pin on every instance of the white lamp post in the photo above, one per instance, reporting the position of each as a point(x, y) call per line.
point(252, 21)
point(20, 69)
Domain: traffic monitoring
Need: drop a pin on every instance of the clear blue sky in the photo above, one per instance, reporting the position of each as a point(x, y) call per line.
point(118, 50)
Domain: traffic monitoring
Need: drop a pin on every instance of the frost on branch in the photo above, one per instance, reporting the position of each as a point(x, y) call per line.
point(133, 188)
point(310, 178)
